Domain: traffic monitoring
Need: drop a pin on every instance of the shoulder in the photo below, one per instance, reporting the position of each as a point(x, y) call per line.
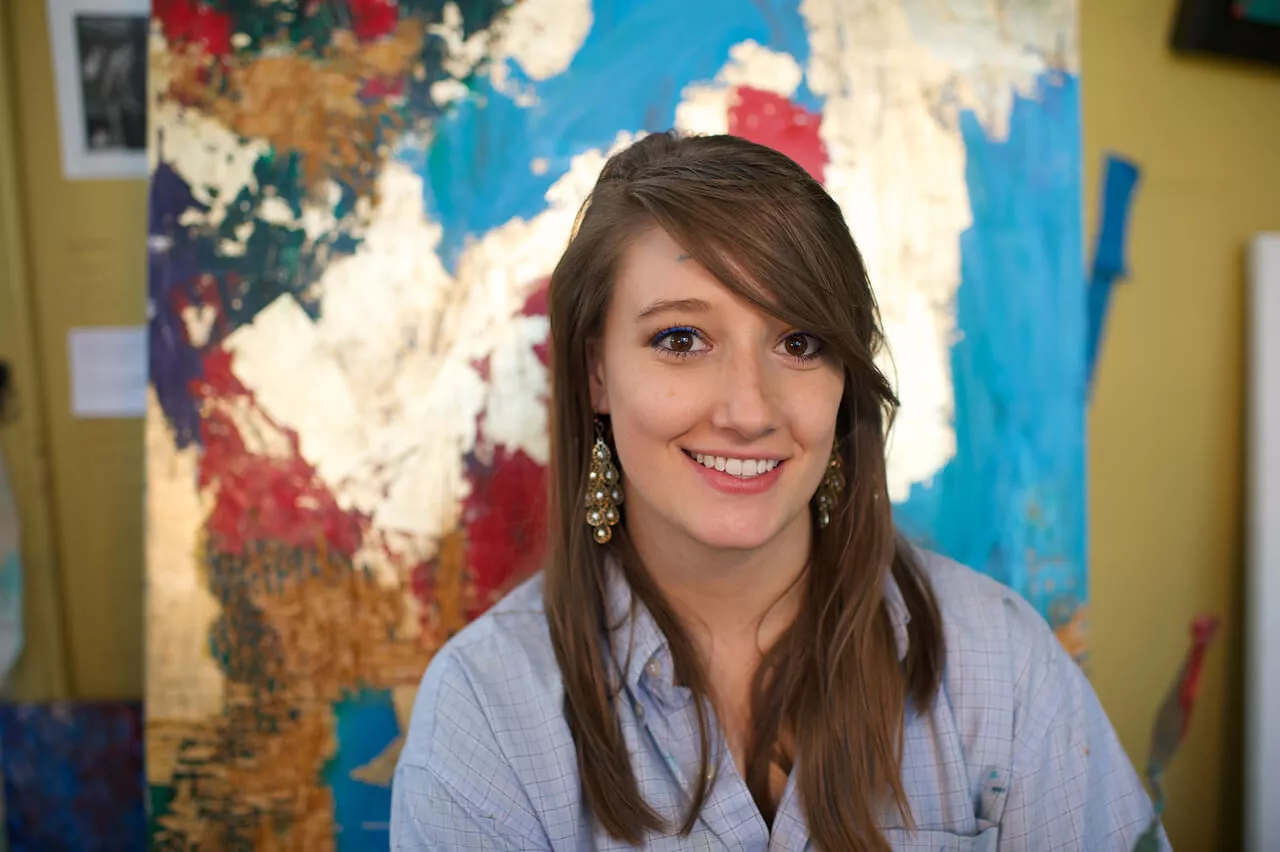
point(986, 623)
point(485, 735)
point(490, 675)
point(1006, 677)
point(488, 726)
point(1026, 716)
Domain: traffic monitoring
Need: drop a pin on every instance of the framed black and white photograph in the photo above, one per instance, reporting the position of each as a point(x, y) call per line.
point(100, 68)
point(1237, 29)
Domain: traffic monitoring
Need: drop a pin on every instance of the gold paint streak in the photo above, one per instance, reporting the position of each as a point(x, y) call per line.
point(304, 104)
point(450, 583)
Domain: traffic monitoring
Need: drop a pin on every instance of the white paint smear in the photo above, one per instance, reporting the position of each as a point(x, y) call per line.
point(704, 107)
point(898, 173)
point(543, 36)
point(994, 50)
point(215, 162)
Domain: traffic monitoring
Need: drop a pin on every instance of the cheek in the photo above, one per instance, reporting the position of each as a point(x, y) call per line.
point(812, 408)
point(651, 405)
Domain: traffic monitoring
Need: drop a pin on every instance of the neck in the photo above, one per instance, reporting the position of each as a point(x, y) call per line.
point(728, 597)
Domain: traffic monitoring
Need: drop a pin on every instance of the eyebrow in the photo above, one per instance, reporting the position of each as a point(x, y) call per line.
point(666, 305)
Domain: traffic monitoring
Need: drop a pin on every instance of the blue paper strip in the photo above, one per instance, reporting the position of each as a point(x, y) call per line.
point(1110, 263)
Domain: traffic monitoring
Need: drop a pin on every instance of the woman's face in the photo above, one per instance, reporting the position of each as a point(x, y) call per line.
point(723, 416)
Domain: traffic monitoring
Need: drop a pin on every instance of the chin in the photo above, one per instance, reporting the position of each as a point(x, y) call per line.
point(735, 534)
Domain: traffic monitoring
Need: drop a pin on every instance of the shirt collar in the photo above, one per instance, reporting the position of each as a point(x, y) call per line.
point(640, 650)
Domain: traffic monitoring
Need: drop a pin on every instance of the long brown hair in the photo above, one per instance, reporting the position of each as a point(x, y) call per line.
point(833, 681)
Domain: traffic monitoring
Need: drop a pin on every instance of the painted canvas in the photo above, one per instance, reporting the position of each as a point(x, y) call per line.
point(355, 205)
point(73, 776)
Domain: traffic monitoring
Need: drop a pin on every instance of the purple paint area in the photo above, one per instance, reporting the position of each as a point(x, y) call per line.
point(73, 776)
point(173, 262)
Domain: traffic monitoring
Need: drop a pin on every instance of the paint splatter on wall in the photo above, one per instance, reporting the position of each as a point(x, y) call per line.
point(354, 209)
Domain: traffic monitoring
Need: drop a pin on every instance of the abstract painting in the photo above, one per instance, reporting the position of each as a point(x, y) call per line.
point(355, 205)
point(73, 776)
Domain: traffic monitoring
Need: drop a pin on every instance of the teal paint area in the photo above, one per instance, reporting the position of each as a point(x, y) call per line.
point(1259, 11)
point(11, 627)
point(366, 725)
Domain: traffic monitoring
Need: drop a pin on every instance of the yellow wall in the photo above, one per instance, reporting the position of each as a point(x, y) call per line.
point(85, 265)
point(1165, 431)
point(1166, 453)
point(41, 671)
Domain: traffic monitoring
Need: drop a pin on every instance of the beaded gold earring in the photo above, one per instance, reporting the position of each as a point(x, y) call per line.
point(829, 489)
point(604, 491)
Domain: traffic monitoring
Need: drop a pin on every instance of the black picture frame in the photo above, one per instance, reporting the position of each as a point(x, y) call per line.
point(1215, 27)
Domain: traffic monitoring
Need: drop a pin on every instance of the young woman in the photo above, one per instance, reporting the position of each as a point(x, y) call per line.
point(743, 655)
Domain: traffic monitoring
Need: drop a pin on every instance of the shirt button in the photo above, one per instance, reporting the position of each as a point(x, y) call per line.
point(639, 710)
point(711, 774)
point(654, 669)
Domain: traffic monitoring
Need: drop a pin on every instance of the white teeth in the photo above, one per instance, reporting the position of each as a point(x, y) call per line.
point(744, 468)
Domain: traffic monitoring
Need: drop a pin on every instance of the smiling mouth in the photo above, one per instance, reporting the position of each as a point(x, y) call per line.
point(739, 467)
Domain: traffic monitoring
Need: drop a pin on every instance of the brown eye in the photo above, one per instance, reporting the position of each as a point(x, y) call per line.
point(681, 341)
point(802, 346)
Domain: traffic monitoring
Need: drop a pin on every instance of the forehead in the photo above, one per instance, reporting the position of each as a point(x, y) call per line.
point(655, 266)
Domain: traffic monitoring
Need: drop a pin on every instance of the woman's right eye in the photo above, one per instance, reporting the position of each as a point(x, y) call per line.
point(679, 341)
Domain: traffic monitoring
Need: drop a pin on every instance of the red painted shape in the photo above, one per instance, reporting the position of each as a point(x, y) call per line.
point(383, 88)
point(371, 19)
point(774, 121)
point(194, 22)
point(537, 305)
point(1202, 631)
point(505, 520)
point(262, 498)
point(539, 300)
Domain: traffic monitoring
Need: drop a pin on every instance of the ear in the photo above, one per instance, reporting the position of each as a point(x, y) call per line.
point(595, 375)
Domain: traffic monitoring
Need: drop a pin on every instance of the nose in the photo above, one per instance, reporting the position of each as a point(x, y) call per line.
point(742, 402)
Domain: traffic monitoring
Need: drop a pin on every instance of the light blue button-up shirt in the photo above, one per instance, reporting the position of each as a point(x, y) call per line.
point(1015, 753)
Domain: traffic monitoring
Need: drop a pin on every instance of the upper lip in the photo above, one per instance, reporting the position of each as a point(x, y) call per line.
point(736, 455)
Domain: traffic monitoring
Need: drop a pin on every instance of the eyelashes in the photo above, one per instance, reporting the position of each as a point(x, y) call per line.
point(680, 341)
point(683, 341)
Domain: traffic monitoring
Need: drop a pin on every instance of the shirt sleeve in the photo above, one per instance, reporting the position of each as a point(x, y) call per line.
point(427, 815)
point(453, 788)
point(1072, 787)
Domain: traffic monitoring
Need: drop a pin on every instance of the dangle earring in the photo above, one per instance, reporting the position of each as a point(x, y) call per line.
point(829, 489)
point(604, 491)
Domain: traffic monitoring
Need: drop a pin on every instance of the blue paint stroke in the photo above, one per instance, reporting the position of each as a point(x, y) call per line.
point(1109, 254)
point(174, 260)
point(477, 169)
point(1011, 502)
point(73, 776)
point(366, 725)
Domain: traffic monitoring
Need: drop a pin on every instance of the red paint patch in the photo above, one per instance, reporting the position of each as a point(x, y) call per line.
point(383, 88)
point(772, 120)
point(505, 520)
point(537, 305)
point(194, 22)
point(261, 498)
point(371, 19)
